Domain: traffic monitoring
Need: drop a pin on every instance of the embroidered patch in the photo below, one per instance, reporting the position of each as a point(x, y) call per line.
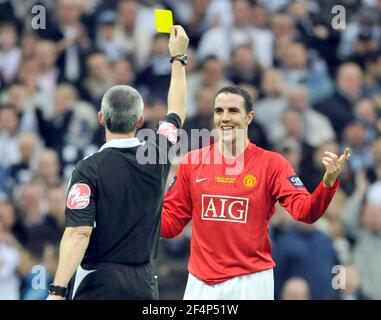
point(295, 181)
point(250, 181)
point(79, 196)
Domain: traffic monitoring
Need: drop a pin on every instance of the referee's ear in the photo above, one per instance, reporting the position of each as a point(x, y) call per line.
point(101, 120)
point(139, 123)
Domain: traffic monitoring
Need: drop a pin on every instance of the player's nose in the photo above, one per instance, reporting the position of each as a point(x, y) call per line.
point(225, 117)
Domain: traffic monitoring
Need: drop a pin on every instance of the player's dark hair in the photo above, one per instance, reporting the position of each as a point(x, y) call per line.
point(248, 102)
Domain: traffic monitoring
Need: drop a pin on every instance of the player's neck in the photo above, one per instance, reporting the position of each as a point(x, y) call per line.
point(115, 136)
point(231, 150)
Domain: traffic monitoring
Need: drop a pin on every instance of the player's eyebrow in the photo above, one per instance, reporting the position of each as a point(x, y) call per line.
point(234, 109)
point(230, 109)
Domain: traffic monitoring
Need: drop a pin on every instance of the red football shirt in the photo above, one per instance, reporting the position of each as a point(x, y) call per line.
point(230, 205)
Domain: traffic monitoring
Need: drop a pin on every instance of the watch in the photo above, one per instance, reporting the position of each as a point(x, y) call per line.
point(57, 290)
point(183, 58)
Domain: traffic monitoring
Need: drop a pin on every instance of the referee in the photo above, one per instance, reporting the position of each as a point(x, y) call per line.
point(114, 202)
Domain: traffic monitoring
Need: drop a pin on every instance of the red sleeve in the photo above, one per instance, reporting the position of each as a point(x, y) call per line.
point(177, 206)
point(289, 190)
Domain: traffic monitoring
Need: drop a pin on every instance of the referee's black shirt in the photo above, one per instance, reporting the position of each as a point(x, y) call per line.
point(121, 198)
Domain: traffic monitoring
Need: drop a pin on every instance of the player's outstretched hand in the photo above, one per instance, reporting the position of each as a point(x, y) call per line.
point(178, 41)
point(333, 165)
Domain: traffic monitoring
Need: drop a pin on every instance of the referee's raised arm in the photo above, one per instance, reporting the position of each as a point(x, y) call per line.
point(177, 95)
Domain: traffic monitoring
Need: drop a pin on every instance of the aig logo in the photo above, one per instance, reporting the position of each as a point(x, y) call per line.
point(224, 208)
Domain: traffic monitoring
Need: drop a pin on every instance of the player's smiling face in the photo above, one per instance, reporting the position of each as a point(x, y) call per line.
point(230, 116)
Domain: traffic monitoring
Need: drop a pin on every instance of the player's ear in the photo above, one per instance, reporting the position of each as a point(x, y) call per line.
point(250, 117)
point(139, 123)
point(101, 120)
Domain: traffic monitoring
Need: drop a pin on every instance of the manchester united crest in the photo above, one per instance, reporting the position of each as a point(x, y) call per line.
point(250, 181)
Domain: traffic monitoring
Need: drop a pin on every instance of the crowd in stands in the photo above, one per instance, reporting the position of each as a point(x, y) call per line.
point(314, 87)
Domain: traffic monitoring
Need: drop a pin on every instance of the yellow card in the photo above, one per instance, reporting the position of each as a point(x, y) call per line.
point(164, 20)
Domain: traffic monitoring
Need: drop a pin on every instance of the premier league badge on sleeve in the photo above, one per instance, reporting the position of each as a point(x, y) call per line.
point(295, 181)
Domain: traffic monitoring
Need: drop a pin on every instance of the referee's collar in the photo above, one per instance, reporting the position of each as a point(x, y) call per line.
point(121, 143)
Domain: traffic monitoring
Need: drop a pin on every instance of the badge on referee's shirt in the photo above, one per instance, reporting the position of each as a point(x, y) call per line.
point(79, 196)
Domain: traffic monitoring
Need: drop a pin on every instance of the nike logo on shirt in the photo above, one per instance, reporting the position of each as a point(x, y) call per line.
point(199, 180)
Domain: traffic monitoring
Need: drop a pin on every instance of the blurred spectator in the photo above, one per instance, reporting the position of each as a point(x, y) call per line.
point(372, 78)
point(124, 72)
point(99, 79)
point(9, 261)
point(307, 253)
point(365, 228)
point(240, 33)
point(361, 35)
point(318, 129)
point(136, 41)
point(6, 11)
point(331, 225)
point(20, 98)
point(10, 223)
point(291, 149)
point(23, 170)
point(355, 136)
point(70, 34)
point(284, 32)
point(10, 53)
point(27, 74)
point(48, 76)
point(203, 118)
point(45, 272)
point(374, 172)
point(301, 67)
point(340, 107)
point(33, 208)
point(8, 136)
point(365, 111)
point(56, 202)
point(5, 183)
point(353, 285)
point(292, 126)
point(154, 79)
point(311, 169)
point(244, 67)
point(269, 109)
point(106, 40)
point(48, 169)
point(198, 22)
point(72, 119)
point(295, 288)
point(211, 74)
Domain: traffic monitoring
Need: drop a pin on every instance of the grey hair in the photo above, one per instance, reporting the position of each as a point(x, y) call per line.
point(121, 107)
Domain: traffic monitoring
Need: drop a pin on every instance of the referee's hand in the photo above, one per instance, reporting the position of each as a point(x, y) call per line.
point(333, 166)
point(178, 41)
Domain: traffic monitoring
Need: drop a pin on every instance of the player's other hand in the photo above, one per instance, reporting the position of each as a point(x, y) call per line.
point(178, 41)
point(333, 166)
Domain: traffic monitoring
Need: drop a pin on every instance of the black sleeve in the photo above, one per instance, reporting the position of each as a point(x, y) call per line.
point(81, 199)
point(174, 119)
